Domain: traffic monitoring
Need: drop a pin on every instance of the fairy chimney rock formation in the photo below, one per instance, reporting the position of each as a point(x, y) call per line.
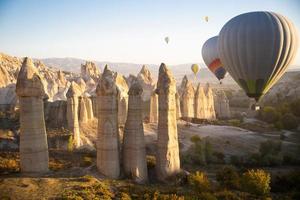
point(167, 158)
point(83, 113)
point(210, 111)
point(153, 115)
point(108, 162)
point(122, 88)
point(72, 112)
point(134, 150)
point(200, 103)
point(33, 138)
point(187, 100)
point(145, 78)
point(221, 105)
point(89, 70)
point(178, 110)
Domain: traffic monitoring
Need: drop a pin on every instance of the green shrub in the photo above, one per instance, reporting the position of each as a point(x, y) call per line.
point(269, 114)
point(219, 156)
point(228, 177)
point(256, 182)
point(199, 181)
point(236, 160)
point(195, 139)
point(125, 196)
point(286, 182)
point(289, 121)
point(278, 125)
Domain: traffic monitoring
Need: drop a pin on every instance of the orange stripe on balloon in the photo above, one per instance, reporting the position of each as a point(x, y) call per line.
point(214, 65)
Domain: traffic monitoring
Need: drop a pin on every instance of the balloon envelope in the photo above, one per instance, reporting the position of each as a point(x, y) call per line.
point(167, 40)
point(211, 58)
point(195, 68)
point(256, 49)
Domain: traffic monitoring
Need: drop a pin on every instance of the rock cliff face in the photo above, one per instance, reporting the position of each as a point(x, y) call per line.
point(167, 158)
point(153, 116)
point(72, 112)
point(187, 100)
point(89, 70)
point(108, 162)
point(145, 79)
point(33, 137)
point(200, 103)
point(122, 87)
point(221, 105)
point(210, 108)
point(134, 149)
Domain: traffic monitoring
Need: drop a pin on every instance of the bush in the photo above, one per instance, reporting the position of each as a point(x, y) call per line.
point(199, 181)
point(286, 182)
point(269, 114)
point(256, 182)
point(195, 139)
point(228, 177)
point(289, 121)
point(70, 144)
point(9, 165)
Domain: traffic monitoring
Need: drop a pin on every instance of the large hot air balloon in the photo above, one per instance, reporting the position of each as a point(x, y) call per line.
point(211, 58)
point(167, 39)
point(256, 48)
point(195, 68)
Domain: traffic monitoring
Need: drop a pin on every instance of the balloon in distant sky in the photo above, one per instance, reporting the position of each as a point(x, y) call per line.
point(206, 18)
point(195, 68)
point(256, 48)
point(211, 58)
point(167, 39)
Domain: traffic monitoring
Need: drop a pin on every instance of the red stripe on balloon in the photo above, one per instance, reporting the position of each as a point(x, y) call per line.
point(214, 65)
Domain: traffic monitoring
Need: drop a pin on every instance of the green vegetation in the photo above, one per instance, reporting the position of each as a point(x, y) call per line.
point(256, 182)
point(282, 116)
point(199, 182)
point(228, 178)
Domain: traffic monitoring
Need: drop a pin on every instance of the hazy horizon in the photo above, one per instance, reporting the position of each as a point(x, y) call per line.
point(123, 32)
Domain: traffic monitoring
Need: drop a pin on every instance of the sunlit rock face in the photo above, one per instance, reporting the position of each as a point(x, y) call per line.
point(210, 108)
point(72, 112)
point(122, 87)
point(187, 100)
point(200, 103)
point(134, 150)
point(221, 105)
point(33, 138)
point(153, 116)
point(89, 70)
point(178, 110)
point(145, 79)
point(167, 158)
point(108, 162)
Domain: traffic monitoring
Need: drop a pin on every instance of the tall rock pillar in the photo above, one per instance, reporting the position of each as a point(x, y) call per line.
point(72, 112)
point(108, 162)
point(200, 103)
point(153, 115)
point(134, 149)
point(167, 158)
point(178, 110)
point(188, 96)
point(33, 138)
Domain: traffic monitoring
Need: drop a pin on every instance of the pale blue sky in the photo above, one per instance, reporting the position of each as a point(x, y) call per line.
point(123, 30)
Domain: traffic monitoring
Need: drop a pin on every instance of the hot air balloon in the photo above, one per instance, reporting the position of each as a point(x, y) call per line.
point(195, 68)
point(167, 39)
point(256, 48)
point(211, 58)
point(206, 18)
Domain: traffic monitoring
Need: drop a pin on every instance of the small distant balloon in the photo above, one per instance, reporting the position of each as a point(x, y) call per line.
point(167, 39)
point(195, 68)
point(206, 18)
